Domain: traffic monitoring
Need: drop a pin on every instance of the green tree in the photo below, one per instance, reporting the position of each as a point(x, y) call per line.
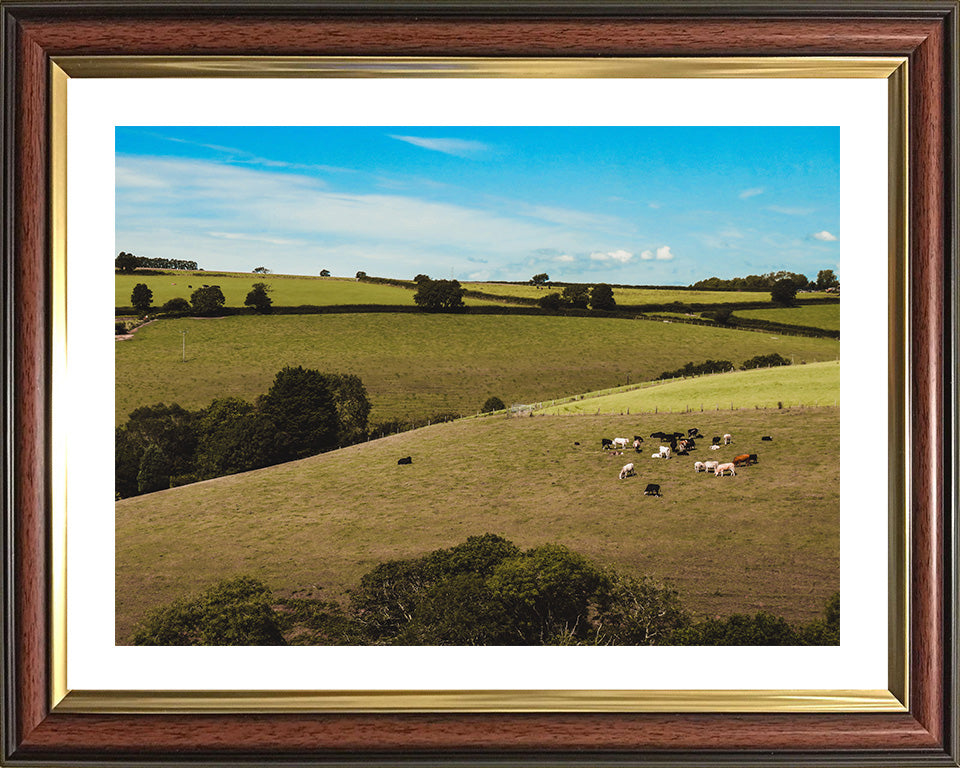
point(361, 274)
point(261, 270)
point(439, 295)
point(324, 273)
point(721, 315)
point(421, 277)
point(126, 263)
point(825, 631)
point(540, 279)
point(171, 429)
point(827, 279)
point(492, 404)
point(233, 437)
point(207, 300)
point(141, 298)
point(352, 405)
point(783, 292)
point(177, 306)
point(259, 298)
point(576, 296)
point(640, 611)
point(234, 612)
point(601, 297)
point(154, 470)
point(301, 404)
point(126, 462)
point(760, 629)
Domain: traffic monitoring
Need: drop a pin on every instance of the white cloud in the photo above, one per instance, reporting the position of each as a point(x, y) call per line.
point(619, 255)
point(752, 192)
point(824, 236)
point(254, 238)
point(664, 254)
point(571, 218)
point(790, 211)
point(646, 255)
point(565, 258)
point(456, 147)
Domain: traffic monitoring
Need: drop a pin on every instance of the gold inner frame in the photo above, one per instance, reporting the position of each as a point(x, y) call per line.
point(895, 699)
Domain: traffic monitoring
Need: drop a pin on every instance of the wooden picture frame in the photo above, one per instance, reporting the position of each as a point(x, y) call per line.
point(37, 33)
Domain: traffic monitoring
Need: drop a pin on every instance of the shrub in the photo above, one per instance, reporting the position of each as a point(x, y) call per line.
point(439, 295)
point(761, 629)
point(576, 296)
point(601, 297)
point(493, 404)
point(176, 307)
point(234, 612)
point(764, 361)
point(698, 369)
point(721, 316)
point(120, 328)
point(783, 292)
point(550, 301)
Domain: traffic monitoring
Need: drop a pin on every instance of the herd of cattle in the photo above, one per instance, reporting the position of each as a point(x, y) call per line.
point(680, 445)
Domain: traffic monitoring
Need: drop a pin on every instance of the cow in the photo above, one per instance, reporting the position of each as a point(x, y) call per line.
point(405, 460)
point(637, 439)
point(606, 444)
point(721, 468)
point(627, 471)
point(691, 444)
point(727, 439)
point(714, 447)
point(619, 442)
point(694, 433)
point(636, 445)
point(716, 440)
point(766, 437)
point(710, 466)
point(652, 489)
point(656, 455)
point(698, 466)
point(753, 458)
point(665, 451)
point(742, 460)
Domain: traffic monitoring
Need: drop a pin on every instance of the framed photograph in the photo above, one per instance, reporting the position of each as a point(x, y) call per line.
point(347, 458)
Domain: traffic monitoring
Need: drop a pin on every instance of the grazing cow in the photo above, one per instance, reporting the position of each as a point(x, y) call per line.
point(721, 468)
point(714, 447)
point(716, 440)
point(656, 455)
point(753, 458)
point(742, 460)
point(652, 489)
point(766, 437)
point(710, 466)
point(627, 471)
point(698, 466)
point(576, 443)
point(405, 460)
point(606, 444)
point(691, 445)
point(619, 442)
point(665, 451)
point(727, 439)
point(637, 439)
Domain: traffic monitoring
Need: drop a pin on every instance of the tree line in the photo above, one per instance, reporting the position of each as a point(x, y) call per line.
point(485, 591)
point(304, 412)
point(723, 366)
point(127, 263)
point(826, 278)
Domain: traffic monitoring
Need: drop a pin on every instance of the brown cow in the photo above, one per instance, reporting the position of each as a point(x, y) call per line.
point(741, 460)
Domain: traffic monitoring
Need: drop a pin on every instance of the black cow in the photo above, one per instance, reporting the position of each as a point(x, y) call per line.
point(691, 444)
point(637, 438)
point(766, 437)
point(606, 443)
point(753, 458)
point(652, 489)
point(716, 440)
point(405, 460)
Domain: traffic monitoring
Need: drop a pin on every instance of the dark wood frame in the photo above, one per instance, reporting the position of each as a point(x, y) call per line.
point(925, 32)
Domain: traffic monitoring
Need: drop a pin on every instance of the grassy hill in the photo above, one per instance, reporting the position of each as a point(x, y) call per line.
point(813, 315)
point(416, 365)
point(811, 384)
point(766, 539)
point(285, 290)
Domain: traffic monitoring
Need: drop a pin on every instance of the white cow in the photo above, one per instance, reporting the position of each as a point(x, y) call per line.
point(627, 471)
point(727, 439)
point(619, 442)
point(698, 466)
point(665, 451)
point(714, 447)
point(656, 455)
point(711, 466)
point(721, 468)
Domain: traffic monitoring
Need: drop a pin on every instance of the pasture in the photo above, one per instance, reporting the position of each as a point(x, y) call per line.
point(416, 365)
point(767, 539)
point(808, 385)
point(285, 290)
point(812, 315)
point(629, 296)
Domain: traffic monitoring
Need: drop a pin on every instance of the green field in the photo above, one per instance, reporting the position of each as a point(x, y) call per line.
point(416, 365)
point(285, 290)
point(813, 315)
point(792, 385)
point(629, 295)
point(767, 539)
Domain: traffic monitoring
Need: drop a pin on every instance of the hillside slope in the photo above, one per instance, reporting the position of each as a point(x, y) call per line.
point(766, 539)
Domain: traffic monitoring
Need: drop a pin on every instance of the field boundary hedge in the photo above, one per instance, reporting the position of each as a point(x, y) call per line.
point(750, 324)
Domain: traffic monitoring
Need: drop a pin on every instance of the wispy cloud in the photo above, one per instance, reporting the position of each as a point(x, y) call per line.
point(565, 258)
point(824, 236)
point(790, 211)
point(455, 147)
point(254, 238)
point(618, 255)
point(751, 192)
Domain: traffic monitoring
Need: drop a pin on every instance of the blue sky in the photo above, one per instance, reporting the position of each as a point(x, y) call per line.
point(636, 205)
